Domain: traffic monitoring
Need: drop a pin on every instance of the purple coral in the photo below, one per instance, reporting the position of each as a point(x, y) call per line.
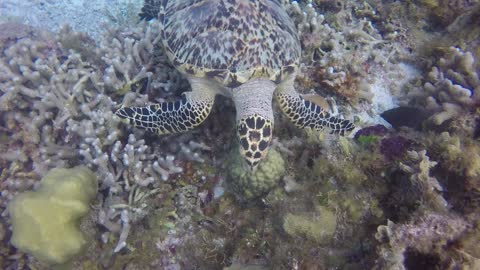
point(394, 147)
point(377, 130)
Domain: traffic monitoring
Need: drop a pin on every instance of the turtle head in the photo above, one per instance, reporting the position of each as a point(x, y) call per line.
point(253, 102)
point(255, 135)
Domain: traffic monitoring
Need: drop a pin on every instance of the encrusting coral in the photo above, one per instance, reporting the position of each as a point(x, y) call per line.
point(45, 221)
point(319, 228)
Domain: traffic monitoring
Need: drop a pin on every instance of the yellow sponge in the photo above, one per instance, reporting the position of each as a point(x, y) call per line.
point(45, 221)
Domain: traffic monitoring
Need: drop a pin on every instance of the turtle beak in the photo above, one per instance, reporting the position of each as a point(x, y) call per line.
point(254, 134)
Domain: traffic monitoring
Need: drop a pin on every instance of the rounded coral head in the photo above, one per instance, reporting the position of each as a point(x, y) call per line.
point(249, 184)
point(45, 221)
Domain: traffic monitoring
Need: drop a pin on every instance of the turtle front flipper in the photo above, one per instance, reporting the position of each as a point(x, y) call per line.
point(170, 117)
point(306, 114)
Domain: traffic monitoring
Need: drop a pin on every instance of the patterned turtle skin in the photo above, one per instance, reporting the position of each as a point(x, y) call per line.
point(243, 49)
point(230, 41)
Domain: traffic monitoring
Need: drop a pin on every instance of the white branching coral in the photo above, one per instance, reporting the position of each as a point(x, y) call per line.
point(40, 90)
point(333, 44)
point(452, 86)
point(346, 55)
point(118, 213)
point(57, 103)
point(128, 55)
point(135, 57)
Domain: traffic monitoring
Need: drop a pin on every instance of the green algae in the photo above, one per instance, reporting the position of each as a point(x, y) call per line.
point(368, 140)
point(320, 228)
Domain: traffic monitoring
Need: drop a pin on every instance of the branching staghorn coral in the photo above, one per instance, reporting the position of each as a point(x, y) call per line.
point(135, 54)
point(127, 56)
point(117, 213)
point(40, 91)
point(57, 104)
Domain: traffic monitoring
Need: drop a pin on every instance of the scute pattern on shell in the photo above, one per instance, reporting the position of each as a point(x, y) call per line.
point(231, 41)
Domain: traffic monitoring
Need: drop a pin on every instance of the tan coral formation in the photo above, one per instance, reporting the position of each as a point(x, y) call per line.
point(430, 188)
point(460, 155)
point(452, 86)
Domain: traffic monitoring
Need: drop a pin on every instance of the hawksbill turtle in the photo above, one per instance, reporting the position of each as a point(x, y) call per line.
point(243, 49)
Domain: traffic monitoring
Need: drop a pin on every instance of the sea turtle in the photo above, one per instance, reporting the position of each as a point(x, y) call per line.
point(243, 49)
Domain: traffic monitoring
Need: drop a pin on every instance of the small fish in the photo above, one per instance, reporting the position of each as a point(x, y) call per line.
point(406, 116)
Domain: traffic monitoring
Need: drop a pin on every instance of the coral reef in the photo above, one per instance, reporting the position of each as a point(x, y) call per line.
point(424, 241)
point(443, 13)
point(401, 198)
point(460, 155)
point(420, 177)
point(395, 147)
point(71, 112)
point(344, 180)
point(452, 87)
point(345, 54)
point(57, 102)
point(44, 222)
point(459, 166)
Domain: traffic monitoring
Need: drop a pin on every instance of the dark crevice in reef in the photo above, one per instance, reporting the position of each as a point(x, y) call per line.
point(462, 198)
point(415, 260)
point(400, 200)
